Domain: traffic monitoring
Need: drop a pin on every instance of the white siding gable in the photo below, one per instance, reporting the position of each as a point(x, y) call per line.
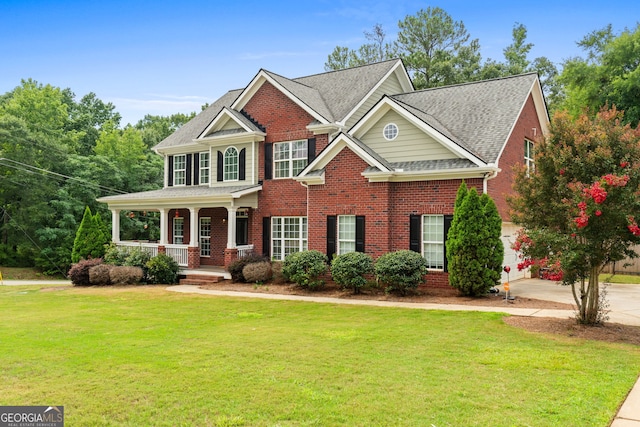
point(390, 86)
point(411, 144)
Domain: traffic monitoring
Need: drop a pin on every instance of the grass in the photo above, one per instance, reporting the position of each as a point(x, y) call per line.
point(146, 357)
point(619, 278)
point(24, 273)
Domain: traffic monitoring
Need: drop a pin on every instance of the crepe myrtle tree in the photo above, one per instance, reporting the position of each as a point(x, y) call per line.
point(580, 207)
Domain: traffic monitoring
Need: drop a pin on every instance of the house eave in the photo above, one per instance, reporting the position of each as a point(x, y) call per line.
point(214, 141)
point(179, 149)
point(311, 180)
point(322, 128)
point(406, 176)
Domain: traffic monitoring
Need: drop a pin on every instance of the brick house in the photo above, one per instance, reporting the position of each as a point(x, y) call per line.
point(347, 160)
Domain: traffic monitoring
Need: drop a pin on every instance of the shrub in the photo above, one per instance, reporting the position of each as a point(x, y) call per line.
point(125, 275)
point(162, 269)
point(90, 239)
point(236, 267)
point(257, 272)
point(79, 272)
point(277, 276)
point(305, 268)
point(137, 257)
point(348, 270)
point(99, 275)
point(115, 255)
point(401, 271)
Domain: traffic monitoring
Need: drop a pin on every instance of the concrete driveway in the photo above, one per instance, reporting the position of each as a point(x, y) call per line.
point(624, 300)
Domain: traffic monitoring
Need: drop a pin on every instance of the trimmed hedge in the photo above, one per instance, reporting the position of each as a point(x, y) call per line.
point(257, 272)
point(236, 267)
point(305, 268)
point(99, 275)
point(401, 271)
point(348, 270)
point(79, 272)
point(125, 275)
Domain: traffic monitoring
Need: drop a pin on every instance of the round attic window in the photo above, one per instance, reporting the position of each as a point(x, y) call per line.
point(390, 132)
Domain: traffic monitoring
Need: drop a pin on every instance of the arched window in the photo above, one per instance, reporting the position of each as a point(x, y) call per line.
point(231, 164)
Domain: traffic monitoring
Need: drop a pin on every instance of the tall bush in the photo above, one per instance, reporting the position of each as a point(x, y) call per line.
point(305, 268)
point(401, 271)
point(349, 270)
point(474, 248)
point(90, 239)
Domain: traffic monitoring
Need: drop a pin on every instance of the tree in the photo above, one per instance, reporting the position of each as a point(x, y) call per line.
point(608, 76)
point(436, 49)
point(474, 249)
point(579, 208)
point(375, 51)
point(90, 240)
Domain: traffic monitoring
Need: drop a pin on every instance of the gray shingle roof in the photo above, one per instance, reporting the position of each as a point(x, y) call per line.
point(478, 116)
point(178, 193)
point(195, 126)
point(308, 95)
point(428, 165)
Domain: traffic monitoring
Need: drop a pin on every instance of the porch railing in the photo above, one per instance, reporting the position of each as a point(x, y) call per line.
point(244, 250)
point(150, 248)
point(180, 253)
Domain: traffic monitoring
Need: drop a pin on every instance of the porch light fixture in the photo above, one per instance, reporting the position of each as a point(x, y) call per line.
point(224, 220)
point(131, 214)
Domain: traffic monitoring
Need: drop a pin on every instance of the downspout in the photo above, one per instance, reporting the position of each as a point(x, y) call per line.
point(487, 177)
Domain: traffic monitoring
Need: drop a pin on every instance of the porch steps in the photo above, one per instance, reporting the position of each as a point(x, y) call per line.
point(200, 279)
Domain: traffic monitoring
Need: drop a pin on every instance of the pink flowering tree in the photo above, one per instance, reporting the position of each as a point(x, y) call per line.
point(580, 207)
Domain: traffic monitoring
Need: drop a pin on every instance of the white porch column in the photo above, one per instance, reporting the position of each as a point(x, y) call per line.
point(193, 227)
point(163, 227)
point(231, 227)
point(115, 225)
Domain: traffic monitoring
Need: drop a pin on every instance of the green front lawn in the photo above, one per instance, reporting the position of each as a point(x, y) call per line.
point(146, 357)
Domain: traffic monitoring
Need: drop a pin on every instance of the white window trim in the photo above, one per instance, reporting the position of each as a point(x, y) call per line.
point(175, 235)
point(303, 237)
point(349, 240)
point(529, 159)
point(202, 169)
point(384, 131)
point(440, 242)
point(203, 237)
point(224, 165)
point(290, 159)
point(176, 170)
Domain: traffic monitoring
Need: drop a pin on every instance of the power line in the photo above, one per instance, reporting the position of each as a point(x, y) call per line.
point(33, 169)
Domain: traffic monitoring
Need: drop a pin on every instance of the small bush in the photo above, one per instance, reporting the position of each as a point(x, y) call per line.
point(99, 275)
point(162, 269)
point(305, 268)
point(348, 270)
point(79, 272)
point(236, 267)
point(276, 273)
point(257, 272)
point(115, 255)
point(401, 271)
point(125, 275)
point(137, 257)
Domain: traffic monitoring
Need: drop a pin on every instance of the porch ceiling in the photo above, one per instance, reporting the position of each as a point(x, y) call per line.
point(192, 196)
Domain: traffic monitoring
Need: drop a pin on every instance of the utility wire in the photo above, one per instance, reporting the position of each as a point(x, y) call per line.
point(33, 169)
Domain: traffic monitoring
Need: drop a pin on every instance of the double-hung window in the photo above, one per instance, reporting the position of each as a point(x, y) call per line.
point(231, 167)
point(205, 236)
point(433, 241)
point(178, 231)
point(288, 235)
point(346, 234)
point(205, 167)
point(180, 169)
point(289, 158)
point(528, 156)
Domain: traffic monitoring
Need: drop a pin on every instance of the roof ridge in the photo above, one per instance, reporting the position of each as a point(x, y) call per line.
point(468, 83)
point(347, 69)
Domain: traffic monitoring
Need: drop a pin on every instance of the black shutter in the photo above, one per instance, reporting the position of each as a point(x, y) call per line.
point(311, 150)
point(268, 161)
point(242, 164)
point(220, 168)
point(170, 177)
point(332, 227)
point(447, 226)
point(414, 233)
point(359, 233)
point(266, 236)
point(188, 170)
point(196, 169)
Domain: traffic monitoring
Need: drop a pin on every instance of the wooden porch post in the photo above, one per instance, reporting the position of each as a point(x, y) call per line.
point(163, 227)
point(115, 225)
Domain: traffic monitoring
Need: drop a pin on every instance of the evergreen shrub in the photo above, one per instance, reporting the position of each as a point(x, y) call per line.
point(162, 269)
point(401, 271)
point(305, 268)
point(257, 272)
point(349, 270)
point(236, 267)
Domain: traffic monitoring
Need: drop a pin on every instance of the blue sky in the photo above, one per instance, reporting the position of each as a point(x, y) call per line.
point(163, 57)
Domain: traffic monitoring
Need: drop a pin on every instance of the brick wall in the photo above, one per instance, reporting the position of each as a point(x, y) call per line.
point(513, 154)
